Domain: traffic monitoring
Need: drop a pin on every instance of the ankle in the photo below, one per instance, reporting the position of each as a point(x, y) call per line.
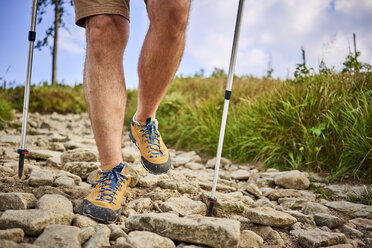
point(143, 117)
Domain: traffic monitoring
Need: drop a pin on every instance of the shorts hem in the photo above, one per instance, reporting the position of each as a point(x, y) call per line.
point(92, 11)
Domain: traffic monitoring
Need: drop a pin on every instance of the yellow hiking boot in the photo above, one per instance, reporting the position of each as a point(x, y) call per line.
point(104, 201)
point(154, 154)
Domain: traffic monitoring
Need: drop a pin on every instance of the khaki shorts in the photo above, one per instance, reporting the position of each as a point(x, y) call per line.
point(85, 8)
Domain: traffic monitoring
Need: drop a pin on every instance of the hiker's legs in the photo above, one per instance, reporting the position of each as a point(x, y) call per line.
point(161, 52)
point(104, 85)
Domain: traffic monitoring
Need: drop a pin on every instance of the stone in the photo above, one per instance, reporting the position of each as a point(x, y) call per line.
point(272, 238)
point(227, 203)
point(54, 162)
point(57, 147)
point(60, 236)
point(281, 193)
point(63, 173)
point(151, 180)
point(270, 217)
point(53, 202)
point(312, 208)
point(56, 137)
point(140, 205)
point(122, 243)
point(194, 166)
point(303, 218)
point(345, 190)
point(292, 203)
point(184, 206)
point(352, 209)
point(8, 244)
point(87, 233)
point(81, 169)
point(316, 238)
point(362, 223)
point(130, 154)
point(351, 231)
point(16, 200)
point(91, 179)
point(64, 181)
point(199, 230)
point(240, 174)
point(100, 239)
point(292, 180)
point(249, 239)
point(42, 190)
point(116, 232)
point(40, 177)
point(10, 139)
point(83, 221)
point(223, 163)
point(184, 158)
point(328, 220)
point(149, 240)
point(253, 189)
point(42, 154)
point(79, 155)
point(13, 234)
point(33, 221)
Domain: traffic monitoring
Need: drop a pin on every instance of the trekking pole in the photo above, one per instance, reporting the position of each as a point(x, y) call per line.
point(212, 199)
point(31, 38)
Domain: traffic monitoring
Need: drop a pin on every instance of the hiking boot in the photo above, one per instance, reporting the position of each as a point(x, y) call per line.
point(154, 154)
point(104, 201)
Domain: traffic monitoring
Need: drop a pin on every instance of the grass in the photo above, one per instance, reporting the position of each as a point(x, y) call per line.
point(365, 198)
point(322, 193)
point(317, 122)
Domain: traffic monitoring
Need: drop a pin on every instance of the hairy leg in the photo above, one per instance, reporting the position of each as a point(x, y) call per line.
point(161, 53)
point(104, 85)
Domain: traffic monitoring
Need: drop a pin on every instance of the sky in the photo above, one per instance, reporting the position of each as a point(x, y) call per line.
point(272, 30)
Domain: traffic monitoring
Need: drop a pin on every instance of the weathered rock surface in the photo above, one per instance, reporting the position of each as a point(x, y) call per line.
point(82, 169)
point(42, 154)
point(303, 218)
point(363, 223)
point(33, 221)
point(83, 221)
point(54, 202)
point(270, 217)
point(60, 236)
point(184, 206)
point(318, 238)
point(149, 240)
point(227, 203)
point(13, 234)
point(79, 155)
point(250, 239)
point(352, 209)
point(16, 200)
point(202, 230)
point(327, 220)
point(41, 177)
point(292, 180)
point(100, 239)
point(312, 208)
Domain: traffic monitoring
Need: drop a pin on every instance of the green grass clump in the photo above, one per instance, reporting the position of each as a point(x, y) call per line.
point(322, 193)
point(323, 123)
point(365, 198)
point(5, 112)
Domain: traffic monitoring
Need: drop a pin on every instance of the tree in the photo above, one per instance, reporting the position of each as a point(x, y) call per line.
point(52, 31)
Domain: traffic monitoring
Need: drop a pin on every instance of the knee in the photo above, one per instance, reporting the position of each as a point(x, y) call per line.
point(105, 33)
point(175, 13)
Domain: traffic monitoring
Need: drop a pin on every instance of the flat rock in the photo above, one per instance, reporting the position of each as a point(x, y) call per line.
point(13, 234)
point(60, 236)
point(211, 163)
point(253, 189)
point(53, 202)
point(87, 233)
point(227, 203)
point(11, 139)
point(16, 200)
point(83, 221)
point(199, 230)
point(282, 193)
point(240, 174)
point(353, 209)
point(184, 206)
point(345, 190)
point(149, 240)
point(130, 154)
point(116, 232)
point(363, 223)
point(351, 231)
point(303, 218)
point(100, 239)
point(64, 181)
point(292, 180)
point(79, 155)
point(151, 181)
point(328, 220)
point(42, 190)
point(249, 239)
point(292, 203)
point(312, 208)
point(33, 221)
point(40, 177)
point(54, 162)
point(270, 217)
point(317, 238)
point(42, 154)
point(82, 169)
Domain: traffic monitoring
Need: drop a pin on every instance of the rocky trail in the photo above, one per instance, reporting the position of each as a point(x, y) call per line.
point(256, 207)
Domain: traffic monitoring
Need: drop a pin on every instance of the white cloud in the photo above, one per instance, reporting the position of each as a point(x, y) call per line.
point(278, 28)
point(72, 42)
